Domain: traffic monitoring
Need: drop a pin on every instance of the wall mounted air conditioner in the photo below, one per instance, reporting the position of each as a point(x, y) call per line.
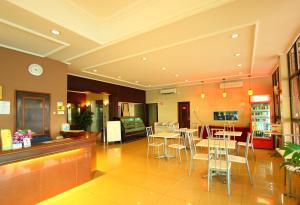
point(231, 84)
point(168, 91)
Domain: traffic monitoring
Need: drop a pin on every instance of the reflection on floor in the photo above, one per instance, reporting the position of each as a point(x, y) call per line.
point(128, 177)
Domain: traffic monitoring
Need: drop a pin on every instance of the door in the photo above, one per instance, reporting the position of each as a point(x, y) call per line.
point(152, 114)
point(184, 114)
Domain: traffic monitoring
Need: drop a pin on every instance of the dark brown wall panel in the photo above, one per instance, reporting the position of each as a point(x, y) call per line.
point(76, 98)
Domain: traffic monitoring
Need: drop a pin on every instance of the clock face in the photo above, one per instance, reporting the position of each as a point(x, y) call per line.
point(35, 69)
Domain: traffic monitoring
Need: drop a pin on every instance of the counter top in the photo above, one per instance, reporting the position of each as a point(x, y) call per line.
point(46, 148)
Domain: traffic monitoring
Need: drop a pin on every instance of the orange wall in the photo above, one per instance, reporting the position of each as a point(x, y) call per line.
point(14, 76)
point(201, 110)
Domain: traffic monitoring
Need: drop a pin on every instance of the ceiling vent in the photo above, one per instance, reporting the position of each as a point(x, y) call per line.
point(168, 91)
point(231, 84)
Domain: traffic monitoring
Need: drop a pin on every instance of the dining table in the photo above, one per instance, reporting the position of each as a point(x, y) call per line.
point(229, 133)
point(166, 136)
point(231, 144)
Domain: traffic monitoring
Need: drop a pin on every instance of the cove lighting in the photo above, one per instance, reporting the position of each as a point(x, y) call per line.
point(55, 32)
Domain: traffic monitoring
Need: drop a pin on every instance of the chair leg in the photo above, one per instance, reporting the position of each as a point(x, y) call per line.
point(179, 153)
point(186, 154)
point(254, 157)
point(228, 182)
point(249, 173)
point(238, 150)
point(158, 152)
point(208, 180)
point(147, 151)
point(191, 166)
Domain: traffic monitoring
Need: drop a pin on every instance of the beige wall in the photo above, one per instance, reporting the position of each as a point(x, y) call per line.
point(14, 76)
point(201, 111)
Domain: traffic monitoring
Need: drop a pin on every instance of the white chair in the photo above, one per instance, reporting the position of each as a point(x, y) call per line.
point(180, 144)
point(207, 130)
point(243, 160)
point(218, 164)
point(243, 144)
point(193, 151)
point(213, 132)
point(152, 142)
point(196, 138)
point(229, 127)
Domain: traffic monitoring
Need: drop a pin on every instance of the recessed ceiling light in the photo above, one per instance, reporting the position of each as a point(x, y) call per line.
point(55, 32)
point(239, 65)
point(186, 80)
point(136, 81)
point(163, 68)
point(144, 58)
point(235, 35)
point(176, 75)
point(240, 73)
point(149, 85)
point(95, 70)
point(237, 54)
point(119, 77)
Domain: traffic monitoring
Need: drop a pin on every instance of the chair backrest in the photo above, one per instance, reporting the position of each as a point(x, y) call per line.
point(207, 131)
point(201, 131)
point(213, 131)
point(215, 147)
point(191, 143)
point(229, 127)
point(149, 131)
point(249, 137)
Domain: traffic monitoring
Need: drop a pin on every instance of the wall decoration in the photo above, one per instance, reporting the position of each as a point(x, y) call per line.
point(4, 107)
point(60, 108)
point(226, 115)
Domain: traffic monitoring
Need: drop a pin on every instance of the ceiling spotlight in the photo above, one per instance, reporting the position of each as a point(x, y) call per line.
point(235, 35)
point(95, 70)
point(55, 32)
point(239, 65)
point(237, 54)
point(240, 73)
point(176, 75)
point(186, 80)
point(144, 58)
point(163, 68)
point(119, 77)
point(149, 85)
point(136, 81)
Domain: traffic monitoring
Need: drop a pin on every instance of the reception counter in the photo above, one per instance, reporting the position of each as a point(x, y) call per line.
point(33, 174)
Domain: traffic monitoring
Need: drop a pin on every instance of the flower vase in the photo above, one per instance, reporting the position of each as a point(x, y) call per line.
point(17, 146)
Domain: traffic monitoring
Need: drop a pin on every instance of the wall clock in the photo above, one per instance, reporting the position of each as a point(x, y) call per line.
point(35, 69)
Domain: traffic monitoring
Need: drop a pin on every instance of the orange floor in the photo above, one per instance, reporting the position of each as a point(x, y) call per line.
point(128, 177)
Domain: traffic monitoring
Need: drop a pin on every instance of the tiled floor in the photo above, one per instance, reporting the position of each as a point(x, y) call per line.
point(128, 177)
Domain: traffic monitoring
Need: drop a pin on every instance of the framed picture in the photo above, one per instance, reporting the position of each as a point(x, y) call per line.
point(219, 116)
point(231, 115)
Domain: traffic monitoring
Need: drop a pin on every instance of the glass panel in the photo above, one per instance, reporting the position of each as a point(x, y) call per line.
point(292, 61)
point(33, 115)
point(298, 53)
point(295, 96)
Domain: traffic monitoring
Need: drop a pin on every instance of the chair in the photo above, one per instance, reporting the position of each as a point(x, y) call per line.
point(218, 164)
point(152, 142)
point(243, 160)
point(243, 144)
point(229, 127)
point(213, 132)
point(207, 130)
point(179, 144)
point(193, 151)
point(196, 138)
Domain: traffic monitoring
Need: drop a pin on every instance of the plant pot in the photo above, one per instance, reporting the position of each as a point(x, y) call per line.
point(17, 146)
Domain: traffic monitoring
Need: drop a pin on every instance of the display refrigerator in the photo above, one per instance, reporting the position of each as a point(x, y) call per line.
point(260, 121)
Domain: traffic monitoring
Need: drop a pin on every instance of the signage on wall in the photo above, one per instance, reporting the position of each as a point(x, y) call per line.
point(4, 107)
point(60, 108)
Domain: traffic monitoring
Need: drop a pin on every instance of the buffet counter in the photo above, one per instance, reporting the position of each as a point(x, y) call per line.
point(33, 174)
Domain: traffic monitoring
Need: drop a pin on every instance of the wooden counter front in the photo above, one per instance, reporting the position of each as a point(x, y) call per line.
point(33, 174)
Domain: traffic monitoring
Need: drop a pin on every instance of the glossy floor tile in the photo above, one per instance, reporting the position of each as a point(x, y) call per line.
point(126, 176)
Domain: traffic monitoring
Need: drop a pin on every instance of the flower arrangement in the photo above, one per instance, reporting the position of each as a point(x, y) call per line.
point(20, 135)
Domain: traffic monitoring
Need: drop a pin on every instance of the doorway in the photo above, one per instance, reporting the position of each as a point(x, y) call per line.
point(184, 114)
point(152, 114)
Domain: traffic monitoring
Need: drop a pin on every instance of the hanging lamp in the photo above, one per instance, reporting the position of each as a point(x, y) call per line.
point(224, 93)
point(250, 91)
point(202, 95)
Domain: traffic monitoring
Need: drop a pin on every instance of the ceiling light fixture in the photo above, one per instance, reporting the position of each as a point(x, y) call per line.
point(163, 68)
point(55, 32)
point(239, 65)
point(144, 58)
point(136, 81)
point(176, 75)
point(95, 70)
point(235, 35)
point(250, 91)
point(237, 54)
point(202, 93)
point(186, 80)
point(224, 93)
point(119, 77)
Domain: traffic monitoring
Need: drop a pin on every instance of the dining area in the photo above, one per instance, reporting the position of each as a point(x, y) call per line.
point(220, 150)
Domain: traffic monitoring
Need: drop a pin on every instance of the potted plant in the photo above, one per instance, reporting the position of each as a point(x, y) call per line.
point(294, 161)
point(20, 136)
point(83, 119)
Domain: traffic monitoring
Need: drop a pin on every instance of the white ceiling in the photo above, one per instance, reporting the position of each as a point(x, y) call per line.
point(184, 42)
